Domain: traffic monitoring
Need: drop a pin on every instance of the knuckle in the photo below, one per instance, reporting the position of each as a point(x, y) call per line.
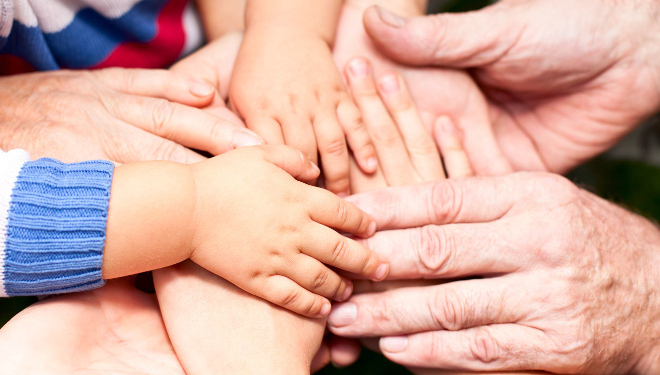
point(433, 249)
point(447, 310)
point(340, 251)
point(431, 352)
point(291, 298)
point(161, 114)
point(483, 347)
point(334, 147)
point(320, 280)
point(445, 202)
point(422, 146)
point(385, 135)
point(170, 151)
point(342, 212)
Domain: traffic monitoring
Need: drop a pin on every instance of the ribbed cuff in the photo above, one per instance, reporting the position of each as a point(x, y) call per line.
point(56, 227)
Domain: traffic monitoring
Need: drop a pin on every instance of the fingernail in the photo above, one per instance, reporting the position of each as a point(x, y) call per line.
point(325, 310)
point(244, 139)
point(389, 84)
point(372, 164)
point(316, 168)
point(447, 125)
point(359, 68)
point(381, 272)
point(390, 18)
point(394, 344)
point(201, 89)
point(372, 229)
point(347, 292)
point(342, 194)
point(343, 314)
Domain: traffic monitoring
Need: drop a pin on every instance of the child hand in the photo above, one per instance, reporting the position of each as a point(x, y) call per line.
point(270, 235)
point(286, 86)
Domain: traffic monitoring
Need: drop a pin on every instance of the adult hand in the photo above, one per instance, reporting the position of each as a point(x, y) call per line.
point(564, 80)
point(119, 114)
point(114, 329)
point(437, 93)
point(569, 282)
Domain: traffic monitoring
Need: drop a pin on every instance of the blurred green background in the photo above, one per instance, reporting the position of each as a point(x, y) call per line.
point(628, 174)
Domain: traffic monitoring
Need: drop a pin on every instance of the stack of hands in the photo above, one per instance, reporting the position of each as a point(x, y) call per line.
point(448, 130)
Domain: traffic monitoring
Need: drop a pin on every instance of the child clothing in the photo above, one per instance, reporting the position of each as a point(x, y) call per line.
point(52, 224)
point(85, 34)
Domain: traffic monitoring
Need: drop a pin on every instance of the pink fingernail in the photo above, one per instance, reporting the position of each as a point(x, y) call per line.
point(359, 68)
point(245, 139)
point(381, 272)
point(325, 310)
point(372, 164)
point(390, 18)
point(201, 89)
point(389, 84)
point(343, 314)
point(347, 292)
point(316, 168)
point(372, 229)
point(395, 344)
point(447, 125)
point(342, 194)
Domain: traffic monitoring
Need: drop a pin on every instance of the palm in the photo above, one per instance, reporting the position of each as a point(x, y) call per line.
point(114, 329)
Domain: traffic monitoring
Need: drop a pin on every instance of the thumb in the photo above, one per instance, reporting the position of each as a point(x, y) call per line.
point(451, 39)
point(292, 161)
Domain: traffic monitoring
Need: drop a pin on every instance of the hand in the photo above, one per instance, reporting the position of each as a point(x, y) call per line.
point(114, 329)
point(119, 114)
point(268, 234)
point(558, 74)
point(438, 94)
point(573, 295)
point(288, 89)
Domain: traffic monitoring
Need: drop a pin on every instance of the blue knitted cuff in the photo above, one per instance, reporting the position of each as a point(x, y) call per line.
point(56, 227)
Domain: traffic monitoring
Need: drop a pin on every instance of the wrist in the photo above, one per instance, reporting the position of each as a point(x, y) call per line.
point(150, 218)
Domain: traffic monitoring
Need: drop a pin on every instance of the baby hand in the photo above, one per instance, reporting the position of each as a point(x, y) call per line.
point(271, 235)
point(289, 90)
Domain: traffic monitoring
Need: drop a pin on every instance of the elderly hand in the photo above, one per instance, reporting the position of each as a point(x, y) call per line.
point(565, 80)
point(569, 283)
point(118, 114)
point(112, 330)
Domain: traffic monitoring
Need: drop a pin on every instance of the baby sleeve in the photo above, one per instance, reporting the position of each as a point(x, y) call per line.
point(52, 224)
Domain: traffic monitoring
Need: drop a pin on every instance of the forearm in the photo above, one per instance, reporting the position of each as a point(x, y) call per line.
point(220, 17)
point(149, 219)
point(318, 17)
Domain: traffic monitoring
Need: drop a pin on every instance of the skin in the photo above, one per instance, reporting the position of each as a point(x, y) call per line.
point(288, 89)
point(576, 295)
point(114, 329)
point(553, 104)
point(208, 212)
point(86, 115)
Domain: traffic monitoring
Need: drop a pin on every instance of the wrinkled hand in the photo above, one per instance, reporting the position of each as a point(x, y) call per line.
point(114, 329)
point(564, 80)
point(123, 115)
point(569, 280)
point(437, 93)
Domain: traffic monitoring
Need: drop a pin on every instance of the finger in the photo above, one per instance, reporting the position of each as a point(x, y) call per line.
point(357, 136)
point(158, 83)
point(299, 134)
point(500, 347)
point(450, 251)
point(291, 161)
point(421, 148)
point(344, 253)
point(344, 352)
point(392, 154)
point(268, 128)
point(190, 127)
point(334, 212)
point(334, 153)
point(146, 146)
point(286, 293)
point(452, 306)
point(321, 358)
point(319, 279)
point(451, 146)
point(477, 199)
point(361, 182)
point(449, 39)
